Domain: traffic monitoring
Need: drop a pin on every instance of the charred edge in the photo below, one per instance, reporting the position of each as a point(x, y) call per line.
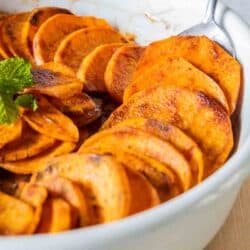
point(43, 76)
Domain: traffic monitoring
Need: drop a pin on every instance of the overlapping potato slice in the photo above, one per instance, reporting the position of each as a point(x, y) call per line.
point(176, 72)
point(176, 137)
point(143, 194)
point(56, 216)
point(55, 29)
point(102, 175)
point(15, 217)
point(203, 53)
point(49, 121)
point(34, 164)
point(4, 52)
point(12, 32)
point(36, 18)
point(70, 192)
point(10, 133)
point(56, 84)
point(28, 145)
point(120, 70)
point(76, 46)
point(200, 116)
point(35, 196)
point(93, 67)
point(144, 145)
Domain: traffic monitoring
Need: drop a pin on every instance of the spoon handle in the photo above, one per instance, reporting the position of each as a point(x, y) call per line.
point(210, 12)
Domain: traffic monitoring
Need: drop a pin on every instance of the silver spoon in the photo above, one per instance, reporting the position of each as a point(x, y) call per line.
point(211, 29)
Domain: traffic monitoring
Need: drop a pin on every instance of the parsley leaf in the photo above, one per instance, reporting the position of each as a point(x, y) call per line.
point(15, 75)
point(27, 101)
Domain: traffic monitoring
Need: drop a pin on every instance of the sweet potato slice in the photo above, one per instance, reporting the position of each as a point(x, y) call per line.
point(35, 196)
point(203, 53)
point(143, 194)
point(28, 145)
point(4, 52)
point(49, 121)
point(15, 217)
point(176, 72)
point(176, 137)
point(143, 144)
point(120, 70)
point(10, 133)
point(55, 29)
point(76, 46)
point(199, 116)
point(36, 18)
point(102, 175)
point(93, 67)
point(56, 216)
point(37, 163)
point(72, 193)
point(55, 84)
point(12, 32)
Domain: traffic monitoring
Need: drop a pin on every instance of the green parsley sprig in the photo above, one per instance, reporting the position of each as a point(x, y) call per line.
point(15, 76)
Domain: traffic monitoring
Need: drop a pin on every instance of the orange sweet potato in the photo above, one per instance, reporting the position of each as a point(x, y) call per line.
point(15, 217)
point(10, 133)
point(76, 46)
point(195, 113)
point(102, 175)
point(4, 52)
point(120, 70)
point(144, 145)
point(93, 66)
point(49, 121)
point(28, 145)
point(55, 29)
point(176, 72)
point(203, 53)
point(12, 32)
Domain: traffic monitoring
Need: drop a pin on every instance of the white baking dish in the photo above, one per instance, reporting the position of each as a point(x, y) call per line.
point(189, 221)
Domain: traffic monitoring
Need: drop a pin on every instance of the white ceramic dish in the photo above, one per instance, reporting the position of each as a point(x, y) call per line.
point(189, 221)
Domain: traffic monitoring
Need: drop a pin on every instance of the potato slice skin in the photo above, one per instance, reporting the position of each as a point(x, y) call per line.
point(120, 70)
point(93, 66)
point(176, 72)
point(55, 29)
point(77, 45)
point(15, 217)
point(195, 113)
point(103, 175)
point(49, 121)
point(144, 145)
point(203, 53)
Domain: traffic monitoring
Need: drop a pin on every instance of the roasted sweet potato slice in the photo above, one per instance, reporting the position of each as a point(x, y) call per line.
point(56, 216)
point(12, 32)
point(72, 193)
point(143, 194)
point(199, 116)
point(176, 137)
point(76, 46)
point(49, 121)
point(35, 196)
point(203, 53)
point(36, 18)
point(143, 144)
point(4, 52)
point(55, 84)
point(32, 165)
point(102, 175)
point(28, 145)
point(10, 133)
point(15, 217)
point(176, 72)
point(55, 29)
point(93, 67)
point(120, 70)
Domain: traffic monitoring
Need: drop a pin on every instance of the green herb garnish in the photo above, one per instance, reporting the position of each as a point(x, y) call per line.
point(15, 76)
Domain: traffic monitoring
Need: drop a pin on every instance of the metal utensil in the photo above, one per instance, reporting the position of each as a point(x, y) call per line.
point(211, 29)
